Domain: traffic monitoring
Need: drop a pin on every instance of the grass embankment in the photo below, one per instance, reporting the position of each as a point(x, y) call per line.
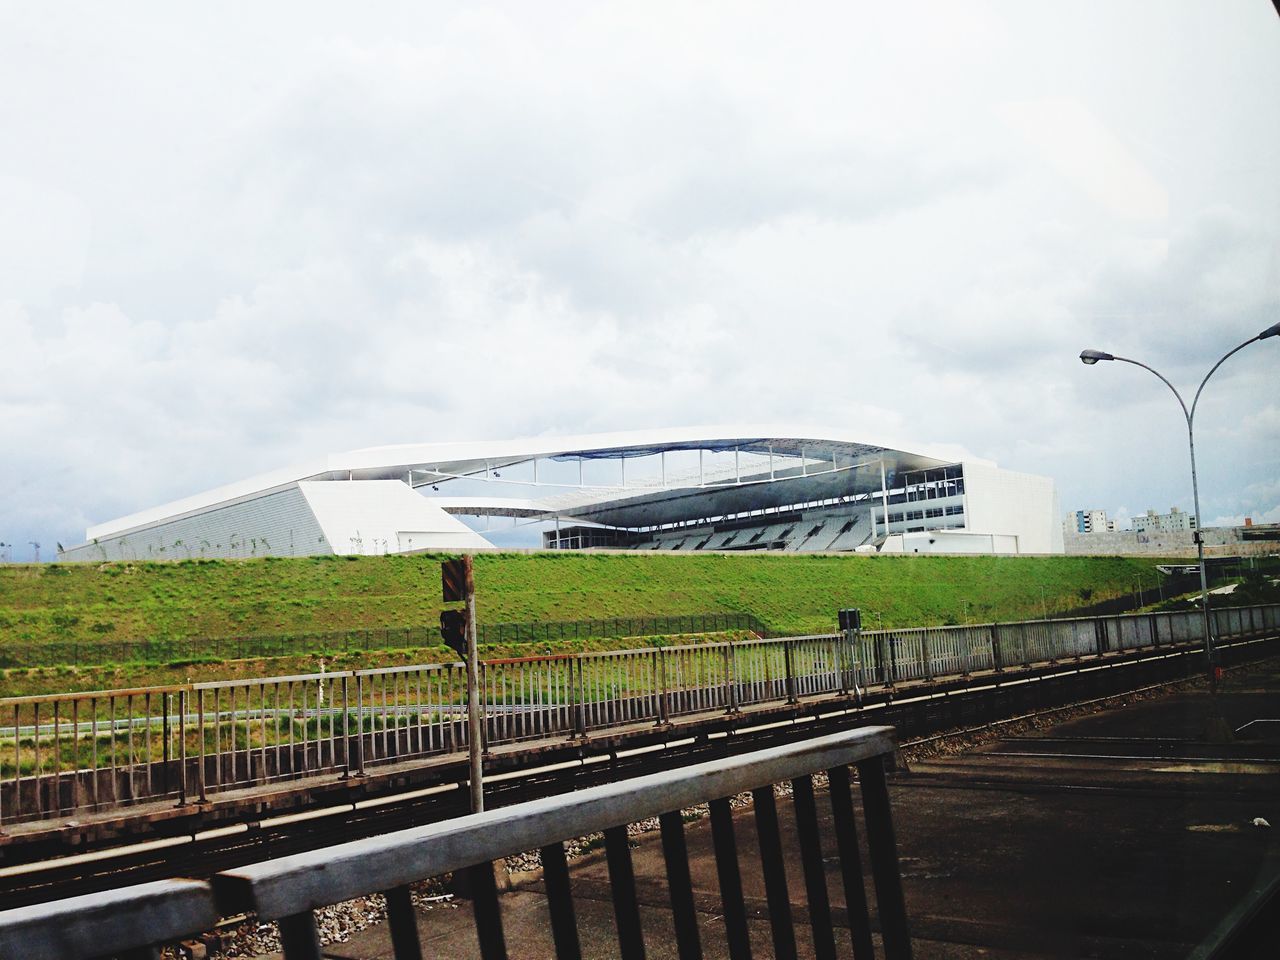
point(110, 602)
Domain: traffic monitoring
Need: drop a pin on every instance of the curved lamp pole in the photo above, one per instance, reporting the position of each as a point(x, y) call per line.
point(1090, 357)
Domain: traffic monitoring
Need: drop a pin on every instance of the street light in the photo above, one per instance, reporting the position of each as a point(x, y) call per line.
point(1089, 358)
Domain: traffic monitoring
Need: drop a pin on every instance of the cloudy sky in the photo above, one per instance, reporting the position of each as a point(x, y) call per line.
point(238, 236)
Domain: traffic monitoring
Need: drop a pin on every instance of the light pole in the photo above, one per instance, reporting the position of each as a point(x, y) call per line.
point(1090, 357)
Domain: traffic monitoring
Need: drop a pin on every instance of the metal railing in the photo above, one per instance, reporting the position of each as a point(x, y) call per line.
point(135, 921)
point(64, 753)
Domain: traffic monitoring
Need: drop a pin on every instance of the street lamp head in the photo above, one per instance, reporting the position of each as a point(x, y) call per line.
point(1090, 357)
point(1271, 331)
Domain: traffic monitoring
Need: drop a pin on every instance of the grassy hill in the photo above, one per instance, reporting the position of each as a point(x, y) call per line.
point(208, 598)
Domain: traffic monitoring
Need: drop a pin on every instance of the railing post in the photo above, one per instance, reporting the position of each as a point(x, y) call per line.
point(580, 715)
point(789, 665)
point(164, 755)
point(840, 648)
point(885, 869)
point(182, 748)
point(359, 725)
point(926, 665)
point(997, 658)
point(1022, 644)
point(346, 731)
point(200, 774)
point(731, 675)
point(660, 677)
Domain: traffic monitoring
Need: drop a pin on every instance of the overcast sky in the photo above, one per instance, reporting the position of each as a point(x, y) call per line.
point(241, 235)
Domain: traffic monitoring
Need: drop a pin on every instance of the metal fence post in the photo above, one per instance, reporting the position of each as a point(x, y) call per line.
point(580, 716)
point(660, 679)
point(997, 657)
point(346, 732)
point(731, 675)
point(927, 661)
point(200, 774)
point(164, 756)
point(788, 661)
point(359, 725)
point(182, 748)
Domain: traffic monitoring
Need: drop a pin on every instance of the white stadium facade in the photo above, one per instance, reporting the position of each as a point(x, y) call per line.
point(789, 490)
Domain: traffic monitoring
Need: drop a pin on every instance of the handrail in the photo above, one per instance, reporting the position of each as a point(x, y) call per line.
point(307, 881)
point(107, 923)
point(135, 921)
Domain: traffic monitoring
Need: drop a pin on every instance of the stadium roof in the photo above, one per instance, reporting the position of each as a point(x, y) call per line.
point(812, 463)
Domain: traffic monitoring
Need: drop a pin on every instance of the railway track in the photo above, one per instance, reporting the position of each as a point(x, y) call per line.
point(204, 855)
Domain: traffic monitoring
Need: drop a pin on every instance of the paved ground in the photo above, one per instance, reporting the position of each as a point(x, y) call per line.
point(1120, 834)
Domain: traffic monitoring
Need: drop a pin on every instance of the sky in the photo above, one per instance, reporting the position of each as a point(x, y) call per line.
point(237, 236)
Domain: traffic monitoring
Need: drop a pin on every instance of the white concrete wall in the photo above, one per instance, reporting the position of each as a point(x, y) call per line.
point(1218, 542)
point(384, 516)
point(277, 524)
point(307, 519)
point(1023, 505)
point(951, 542)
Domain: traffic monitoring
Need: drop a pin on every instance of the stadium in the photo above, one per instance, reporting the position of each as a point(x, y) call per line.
point(725, 489)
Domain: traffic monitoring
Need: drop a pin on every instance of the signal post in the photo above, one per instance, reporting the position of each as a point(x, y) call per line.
point(458, 628)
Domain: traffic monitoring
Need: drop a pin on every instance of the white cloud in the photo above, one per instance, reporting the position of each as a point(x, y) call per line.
point(1072, 141)
point(234, 245)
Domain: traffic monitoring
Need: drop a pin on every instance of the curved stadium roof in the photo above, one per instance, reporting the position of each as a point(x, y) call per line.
point(804, 464)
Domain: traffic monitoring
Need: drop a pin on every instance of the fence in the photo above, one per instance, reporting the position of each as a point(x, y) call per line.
point(170, 649)
point(135, 920)
point(62, 753)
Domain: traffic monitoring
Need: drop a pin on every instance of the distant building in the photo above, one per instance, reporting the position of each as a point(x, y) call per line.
point(1088, 521)
point(1175, 519)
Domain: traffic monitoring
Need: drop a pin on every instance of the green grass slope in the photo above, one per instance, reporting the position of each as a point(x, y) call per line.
point(208, 598)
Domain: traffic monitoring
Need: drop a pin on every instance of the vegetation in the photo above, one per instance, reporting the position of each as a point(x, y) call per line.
point(89, 604)
point(1255, 586)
